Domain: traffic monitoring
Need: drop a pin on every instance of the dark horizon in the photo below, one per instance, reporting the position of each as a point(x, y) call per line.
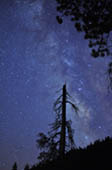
point(94, 156)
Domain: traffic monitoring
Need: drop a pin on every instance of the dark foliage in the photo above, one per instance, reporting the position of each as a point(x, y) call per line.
point(14, 166)
point(109, 72)
point(93, 17)
point(94, 156)
point(27, 167)
point(48, 145)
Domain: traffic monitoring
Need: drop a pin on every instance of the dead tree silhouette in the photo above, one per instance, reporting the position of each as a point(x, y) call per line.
point(56, 142)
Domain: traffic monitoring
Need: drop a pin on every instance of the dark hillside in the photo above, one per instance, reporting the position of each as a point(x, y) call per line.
point(95, 156)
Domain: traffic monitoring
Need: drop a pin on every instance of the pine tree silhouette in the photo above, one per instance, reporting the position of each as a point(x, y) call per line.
point(14, 166)
point(26, 167)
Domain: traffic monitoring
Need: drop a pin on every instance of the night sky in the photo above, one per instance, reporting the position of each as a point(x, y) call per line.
point(37, 56)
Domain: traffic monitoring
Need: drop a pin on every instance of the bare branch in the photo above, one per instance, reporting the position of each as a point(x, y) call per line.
point(56, 103)
point(58, 90)
point(59, 98)
point(58, 108)
point(55, 135)
point(70, 133)
point(73, 106)
point(55, 126)
point(69, 95)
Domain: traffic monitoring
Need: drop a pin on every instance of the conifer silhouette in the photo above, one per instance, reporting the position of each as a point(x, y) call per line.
point(14, 166)
point(27, 167)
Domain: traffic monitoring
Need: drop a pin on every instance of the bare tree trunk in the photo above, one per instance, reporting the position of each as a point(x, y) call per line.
point(63, 125)
point(56, 141)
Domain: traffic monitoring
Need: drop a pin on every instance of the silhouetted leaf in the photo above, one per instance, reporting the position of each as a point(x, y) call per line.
point(59, 19)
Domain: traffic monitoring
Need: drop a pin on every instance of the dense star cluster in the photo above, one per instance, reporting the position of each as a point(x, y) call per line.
point(37, 56)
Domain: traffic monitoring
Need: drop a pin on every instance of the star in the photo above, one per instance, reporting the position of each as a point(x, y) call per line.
point(37, 56)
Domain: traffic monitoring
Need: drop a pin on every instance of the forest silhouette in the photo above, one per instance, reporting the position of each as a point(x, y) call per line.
point(59, 150)
point(94, 156)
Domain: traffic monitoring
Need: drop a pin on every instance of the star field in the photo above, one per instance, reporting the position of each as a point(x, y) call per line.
point(37, 56)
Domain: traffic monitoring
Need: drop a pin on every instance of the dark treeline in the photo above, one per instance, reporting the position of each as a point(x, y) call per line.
point(94, 156)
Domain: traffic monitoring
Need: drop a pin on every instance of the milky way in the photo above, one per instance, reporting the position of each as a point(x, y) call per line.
point(37, 56)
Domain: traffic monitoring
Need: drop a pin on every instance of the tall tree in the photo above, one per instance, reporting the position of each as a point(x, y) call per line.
point(14, 166)
point(56, 142)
